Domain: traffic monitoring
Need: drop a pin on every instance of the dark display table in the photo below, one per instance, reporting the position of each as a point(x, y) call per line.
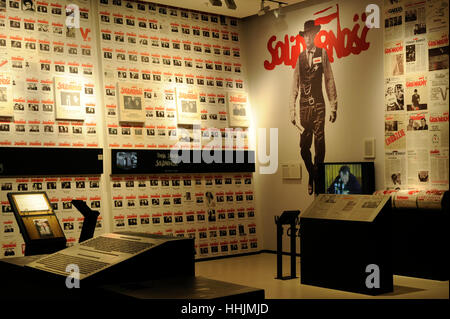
point(421, 243)
point(342, 238)
point(141, 266)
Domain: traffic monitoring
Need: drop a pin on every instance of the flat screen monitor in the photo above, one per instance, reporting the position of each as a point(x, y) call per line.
point(346, 178)
point(126, 160)
point(37, 221)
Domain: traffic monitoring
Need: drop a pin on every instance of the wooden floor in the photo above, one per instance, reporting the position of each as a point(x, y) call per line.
point(259, 271)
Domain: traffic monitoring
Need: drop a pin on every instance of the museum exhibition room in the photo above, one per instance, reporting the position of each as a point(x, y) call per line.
point(215, 150)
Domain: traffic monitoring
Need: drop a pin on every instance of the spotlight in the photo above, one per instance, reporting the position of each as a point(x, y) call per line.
point(231, 4)
point(264, 9)
point(278, 11)
point(217, 3)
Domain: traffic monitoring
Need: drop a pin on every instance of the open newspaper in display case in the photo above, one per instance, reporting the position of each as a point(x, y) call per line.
point(362, 208)
point(38, 223)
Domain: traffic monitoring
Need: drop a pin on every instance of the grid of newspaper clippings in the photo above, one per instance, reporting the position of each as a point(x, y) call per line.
point(174, 53)
point(135, 75)
point(416, 64)
point(48, 68)
point(217, 210)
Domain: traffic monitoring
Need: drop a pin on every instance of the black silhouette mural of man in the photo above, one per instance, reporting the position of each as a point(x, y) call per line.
point(312, 67)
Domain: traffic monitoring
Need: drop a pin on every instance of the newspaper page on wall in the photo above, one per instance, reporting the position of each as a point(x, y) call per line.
point(68, 94)
point(188, 107)
point(417, 130)
point(6, 106)
point(131, 100)
point(415, 18)
point(438, 51)
point(394, 94)
point(238, 109)
point(395, 169)
point(438, 129)
point(395, 131)
point(394, 59)
point(437, 15)
point(416, 92)
point(416, 54)
point(418, 168)
point(393, 20)
point(439, 162)
point(439, 90)
point(362, 208)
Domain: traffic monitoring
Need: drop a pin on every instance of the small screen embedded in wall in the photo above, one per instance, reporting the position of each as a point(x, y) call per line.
point(343, 179)
point(126, 160)
point(346, 178)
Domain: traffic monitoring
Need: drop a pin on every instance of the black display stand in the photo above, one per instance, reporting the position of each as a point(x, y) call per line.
point(335, 253)
point(90, 219)
point(287, 218)
point(421, 242)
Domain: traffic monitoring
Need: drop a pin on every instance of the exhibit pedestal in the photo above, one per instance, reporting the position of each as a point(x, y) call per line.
point(348, 255)
point(420, 243)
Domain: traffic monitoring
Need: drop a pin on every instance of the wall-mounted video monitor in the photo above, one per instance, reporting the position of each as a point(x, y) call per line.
point(38, 223)
point(126, 160)
point(346, 178)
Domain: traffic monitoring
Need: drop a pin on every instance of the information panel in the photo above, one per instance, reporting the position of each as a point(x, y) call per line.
point(362, 208)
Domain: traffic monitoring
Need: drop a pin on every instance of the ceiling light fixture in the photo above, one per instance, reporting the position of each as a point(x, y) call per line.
point(264, 9)
point(217, 3)
point(278, 11)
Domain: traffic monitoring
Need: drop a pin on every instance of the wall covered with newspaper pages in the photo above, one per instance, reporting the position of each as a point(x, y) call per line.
point(48, 98)
point(416, 65)
point(131, 76)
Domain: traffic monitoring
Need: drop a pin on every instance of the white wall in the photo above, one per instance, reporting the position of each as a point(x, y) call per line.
point(359, 82)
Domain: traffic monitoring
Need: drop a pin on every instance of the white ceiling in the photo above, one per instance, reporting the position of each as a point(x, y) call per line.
point(244, 9)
